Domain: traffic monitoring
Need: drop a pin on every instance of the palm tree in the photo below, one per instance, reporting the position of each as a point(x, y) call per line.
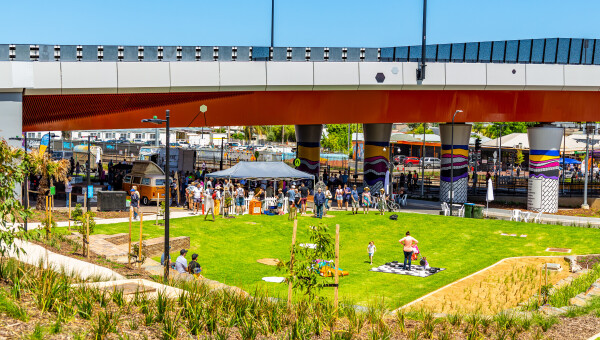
point(50, 170)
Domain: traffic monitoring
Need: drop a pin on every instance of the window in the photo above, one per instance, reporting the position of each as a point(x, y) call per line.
point(160, 182)
point(152, 136)
point(127, 179)
point(145, 181)
point(138, 136)
point(137, 180)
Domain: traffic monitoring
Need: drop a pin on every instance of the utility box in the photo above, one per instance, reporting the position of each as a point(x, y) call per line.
point(112, 200)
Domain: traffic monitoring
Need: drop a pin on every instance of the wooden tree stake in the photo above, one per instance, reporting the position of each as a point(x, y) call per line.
point(87, 236)
point(140, 244)
point(290, 285)
point(129, 252)
point(337, 265)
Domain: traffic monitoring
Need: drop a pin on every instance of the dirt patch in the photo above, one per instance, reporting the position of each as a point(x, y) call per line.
point(588, 261)
point(500, 287)
point(66, 248)
point(579, 212)
point(268, 262)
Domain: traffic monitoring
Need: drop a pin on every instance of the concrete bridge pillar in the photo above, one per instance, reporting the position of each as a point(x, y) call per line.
point(11, 116)
point(544, 154)
point(376, 155)
point(460, 178)
point(308, 144)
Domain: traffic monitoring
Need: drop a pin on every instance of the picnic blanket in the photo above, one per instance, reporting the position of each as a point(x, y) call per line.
point(395, 267)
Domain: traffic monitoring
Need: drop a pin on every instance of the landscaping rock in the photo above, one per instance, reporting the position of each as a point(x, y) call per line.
point(578, 301)
point(549, 310)
point(554, 266)
point(573, 265)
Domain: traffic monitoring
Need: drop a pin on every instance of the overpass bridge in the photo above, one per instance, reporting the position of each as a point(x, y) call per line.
point(52, 87)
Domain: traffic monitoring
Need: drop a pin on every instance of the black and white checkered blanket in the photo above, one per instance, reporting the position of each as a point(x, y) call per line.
point(396, 267)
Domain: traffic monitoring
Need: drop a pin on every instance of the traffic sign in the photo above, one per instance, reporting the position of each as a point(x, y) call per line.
point(297, 162)
point(52, 191)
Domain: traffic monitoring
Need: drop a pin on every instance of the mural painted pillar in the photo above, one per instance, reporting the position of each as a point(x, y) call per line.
point(376, 155)
point(308, 144)
point(544, 154)
point(462, 132)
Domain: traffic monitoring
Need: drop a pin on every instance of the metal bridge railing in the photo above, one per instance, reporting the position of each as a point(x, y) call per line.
point(534, 51)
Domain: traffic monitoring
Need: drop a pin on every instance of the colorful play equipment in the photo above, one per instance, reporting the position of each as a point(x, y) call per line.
point(327, 269)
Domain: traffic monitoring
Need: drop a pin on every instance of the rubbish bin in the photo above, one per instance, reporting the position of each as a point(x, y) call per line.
point(477, 211)
point(469, 210)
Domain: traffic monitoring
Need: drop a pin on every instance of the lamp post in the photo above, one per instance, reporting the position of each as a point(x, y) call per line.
point(25, 188)
point(452, 163)
point(423, 161)
point(587, 157)
point(87, 172)
point(157, 121)
point(221, 162)
point(356, 156)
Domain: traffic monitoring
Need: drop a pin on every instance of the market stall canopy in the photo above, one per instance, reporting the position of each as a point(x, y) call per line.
point(569, 161)
point(261, 171)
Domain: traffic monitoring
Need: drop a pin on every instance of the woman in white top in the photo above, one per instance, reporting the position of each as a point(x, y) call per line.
point(209, 202)
point(339, 196)
point(328, 197)
point(409, 242)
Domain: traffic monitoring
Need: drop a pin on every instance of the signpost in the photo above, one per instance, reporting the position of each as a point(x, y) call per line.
point(297, 162)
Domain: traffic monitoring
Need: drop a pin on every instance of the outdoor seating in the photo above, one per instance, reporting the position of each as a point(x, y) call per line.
point(461, 211)
point(516, 215)
point(537, 218)
point(403, 200)
point(525, 216)
point(445, 209)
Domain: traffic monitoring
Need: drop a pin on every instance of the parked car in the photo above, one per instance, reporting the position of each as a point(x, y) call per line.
point(399, 159)
point(138, 141)
point(410, 161)
point(430, 162)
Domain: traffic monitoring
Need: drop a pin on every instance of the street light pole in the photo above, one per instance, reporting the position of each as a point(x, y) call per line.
point(155, 120)
point(587, 157)
point(356, 156)
point(89, 165)
point(221, 162)
point(423, 161)
point(452, 163)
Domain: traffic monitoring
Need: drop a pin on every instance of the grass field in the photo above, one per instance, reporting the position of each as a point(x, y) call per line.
point(228, 249)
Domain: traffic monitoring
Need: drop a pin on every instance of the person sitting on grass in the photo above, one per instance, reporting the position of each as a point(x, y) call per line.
point(424, 263)
point(181, 264)
point(194, 267)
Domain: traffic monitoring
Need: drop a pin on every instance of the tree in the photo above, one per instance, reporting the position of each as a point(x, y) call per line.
point(493, 130)
point(14, 167)
point(303, 271)
point(519, 159)
point(275, 134)
point(337, 137)
point(419, 129)
point(50, 170)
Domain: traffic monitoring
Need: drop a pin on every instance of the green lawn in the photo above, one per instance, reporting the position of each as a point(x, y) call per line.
point(228, 249)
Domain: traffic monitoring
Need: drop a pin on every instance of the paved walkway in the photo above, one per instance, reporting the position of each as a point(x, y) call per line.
point(35, 254)
point(434, 208)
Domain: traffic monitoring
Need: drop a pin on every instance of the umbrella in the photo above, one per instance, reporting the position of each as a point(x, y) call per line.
point(490, 195)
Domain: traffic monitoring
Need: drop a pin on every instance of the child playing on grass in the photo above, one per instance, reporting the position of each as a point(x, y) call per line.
point(371, 249)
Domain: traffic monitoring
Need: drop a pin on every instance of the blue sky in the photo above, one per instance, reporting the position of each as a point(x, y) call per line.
point(350, 23)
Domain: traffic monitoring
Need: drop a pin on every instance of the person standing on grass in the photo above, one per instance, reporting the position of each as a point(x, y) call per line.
point(280, 199)
point(197, 198)
point(409, 242)
point(319, 201)
point(366, 200)
point(347, 194)
point(381, 204)
point(371, 249)
point(291, 194)
point(354, 197)
point(339, 196)
point(328, 198)
point(239, 199)
point(303, 198)
point(209, 199)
